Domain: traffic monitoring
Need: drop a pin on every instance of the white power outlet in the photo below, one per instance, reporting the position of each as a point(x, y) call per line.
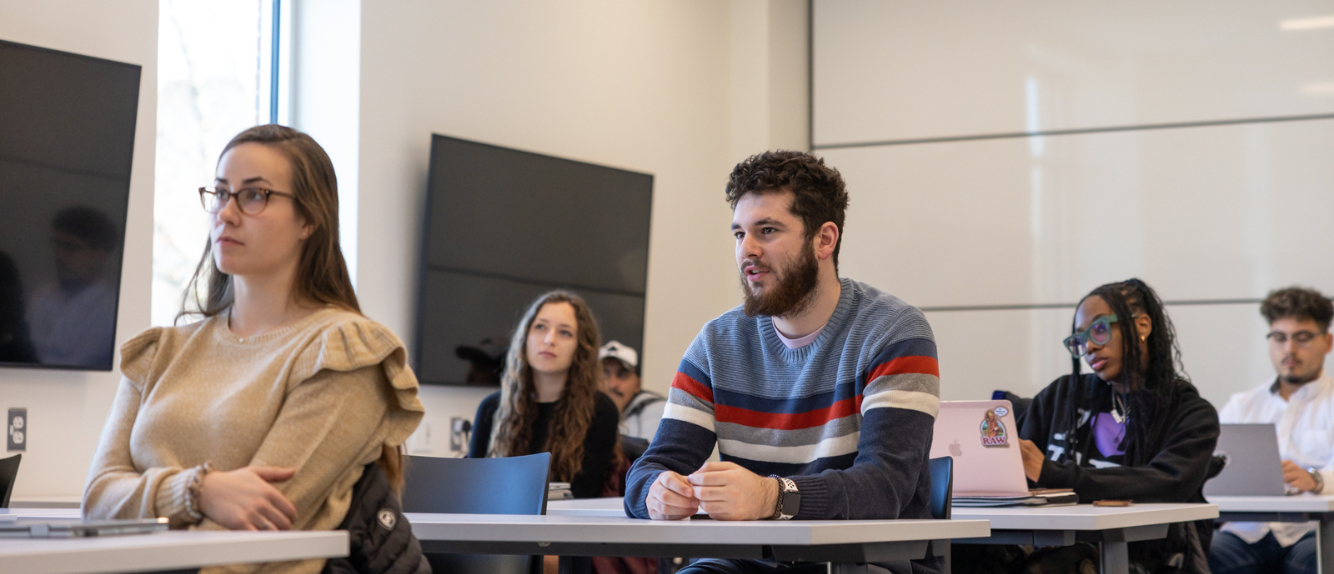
point(17, 431)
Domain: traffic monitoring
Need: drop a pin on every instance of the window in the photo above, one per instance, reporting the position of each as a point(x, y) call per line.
point(216, 63)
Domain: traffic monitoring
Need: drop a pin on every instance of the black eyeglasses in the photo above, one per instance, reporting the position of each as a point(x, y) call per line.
point(251, 200)
point(1300, 337)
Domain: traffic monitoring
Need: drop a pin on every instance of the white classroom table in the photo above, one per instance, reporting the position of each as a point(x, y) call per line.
point(171, 550)
point(1111, 528)
point(1299, 508)
point(849, 544)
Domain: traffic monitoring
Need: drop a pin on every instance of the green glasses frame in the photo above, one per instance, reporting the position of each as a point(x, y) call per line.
point(1100, 332)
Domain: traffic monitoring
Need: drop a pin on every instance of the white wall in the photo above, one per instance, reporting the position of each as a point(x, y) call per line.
point(925, 107)
point(645, 86)
point(66, 409)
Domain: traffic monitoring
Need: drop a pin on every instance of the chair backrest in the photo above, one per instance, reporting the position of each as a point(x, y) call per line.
point(9, 470)
point(942, 486)
point(514, 485)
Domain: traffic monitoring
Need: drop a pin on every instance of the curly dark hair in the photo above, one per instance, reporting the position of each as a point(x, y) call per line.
point(819, 194)
point(1298, 302)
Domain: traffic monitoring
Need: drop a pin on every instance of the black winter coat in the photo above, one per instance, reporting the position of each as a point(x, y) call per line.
point(380, 538)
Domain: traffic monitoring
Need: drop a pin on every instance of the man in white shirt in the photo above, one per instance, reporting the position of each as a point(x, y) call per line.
point(1300, 403)
point(641, 410)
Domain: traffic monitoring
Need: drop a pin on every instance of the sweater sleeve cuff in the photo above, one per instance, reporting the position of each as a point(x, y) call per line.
point(815, 496)
point(636, 501)
point(170, 501)
point(1055, 475)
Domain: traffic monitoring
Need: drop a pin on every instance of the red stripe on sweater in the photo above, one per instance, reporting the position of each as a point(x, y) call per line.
point(786, 421)
point(684, 382)
point(905, 365)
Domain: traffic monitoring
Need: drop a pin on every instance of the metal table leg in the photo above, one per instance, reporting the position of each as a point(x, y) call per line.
point(1115, 558)
point(1325, 544)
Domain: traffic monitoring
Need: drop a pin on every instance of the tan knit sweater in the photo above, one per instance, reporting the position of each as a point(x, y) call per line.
point(321, 396)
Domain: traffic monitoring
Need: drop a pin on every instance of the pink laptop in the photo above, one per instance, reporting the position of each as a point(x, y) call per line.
point(982, 439)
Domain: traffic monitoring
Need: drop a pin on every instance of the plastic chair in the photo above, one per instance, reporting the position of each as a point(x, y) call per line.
point(9, 470)
point(515, 485)
point(942, 486)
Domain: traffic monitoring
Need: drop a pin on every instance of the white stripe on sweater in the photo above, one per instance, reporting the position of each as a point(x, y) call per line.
point(912, 400)
point(690, 415)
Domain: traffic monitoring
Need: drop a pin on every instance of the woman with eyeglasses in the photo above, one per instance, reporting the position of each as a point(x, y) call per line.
point(1134, 429)
point(267, 411)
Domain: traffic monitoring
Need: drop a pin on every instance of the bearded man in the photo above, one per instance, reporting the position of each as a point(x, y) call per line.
point(820, 393)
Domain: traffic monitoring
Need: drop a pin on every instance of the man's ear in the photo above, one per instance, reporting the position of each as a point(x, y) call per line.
point(825, 240)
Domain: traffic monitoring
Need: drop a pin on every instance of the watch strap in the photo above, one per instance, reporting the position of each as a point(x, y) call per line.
point(785, 486)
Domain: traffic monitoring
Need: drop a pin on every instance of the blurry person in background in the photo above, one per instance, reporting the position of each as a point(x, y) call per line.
point(15, 346)
point(73, 321)
point(1299, 400)
point(641, 410)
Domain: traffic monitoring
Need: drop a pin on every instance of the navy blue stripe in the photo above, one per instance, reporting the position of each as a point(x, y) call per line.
point(907, 348)
point(785, 406)
point(690, 370)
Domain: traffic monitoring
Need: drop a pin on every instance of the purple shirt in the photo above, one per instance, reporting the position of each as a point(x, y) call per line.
point(1107, 434)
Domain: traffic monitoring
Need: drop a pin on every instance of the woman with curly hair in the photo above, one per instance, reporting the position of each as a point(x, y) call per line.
point(549, 399)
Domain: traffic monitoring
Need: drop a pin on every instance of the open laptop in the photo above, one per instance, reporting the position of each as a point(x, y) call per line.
point(1254, 467)
point(988, 468)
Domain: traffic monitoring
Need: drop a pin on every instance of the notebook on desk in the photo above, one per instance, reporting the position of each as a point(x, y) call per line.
point(988, 467)
point(72, 528)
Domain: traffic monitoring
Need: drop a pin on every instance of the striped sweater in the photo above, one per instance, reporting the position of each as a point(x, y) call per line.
point(847, 417)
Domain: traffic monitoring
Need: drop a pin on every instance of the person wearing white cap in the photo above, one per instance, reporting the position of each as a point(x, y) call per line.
point(641, 410)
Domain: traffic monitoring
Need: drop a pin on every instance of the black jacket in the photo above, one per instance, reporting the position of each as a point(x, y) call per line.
point(1175, 472)
point(380, 538)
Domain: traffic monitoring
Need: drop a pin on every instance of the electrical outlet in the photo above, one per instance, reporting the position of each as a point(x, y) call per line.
point(456, 433)
point(17, 431)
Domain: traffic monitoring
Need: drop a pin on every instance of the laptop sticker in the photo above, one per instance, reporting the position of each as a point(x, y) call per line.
point(993, 431)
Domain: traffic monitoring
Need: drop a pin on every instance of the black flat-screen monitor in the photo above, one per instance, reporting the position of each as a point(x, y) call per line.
point(66, 144)
point(504, 226)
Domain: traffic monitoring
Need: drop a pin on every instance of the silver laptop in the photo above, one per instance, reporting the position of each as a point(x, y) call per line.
point(45, 527)
point(1253, 464)
point(982, 439)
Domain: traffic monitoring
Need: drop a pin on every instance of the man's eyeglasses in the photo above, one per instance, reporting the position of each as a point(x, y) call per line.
point(251, 200)
point(1099, 333)
point(1300, 337)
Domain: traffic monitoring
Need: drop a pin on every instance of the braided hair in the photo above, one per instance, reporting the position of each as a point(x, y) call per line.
point(1154, 379)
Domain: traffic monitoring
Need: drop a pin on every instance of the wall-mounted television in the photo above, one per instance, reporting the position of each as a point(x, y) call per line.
point(66, 144)
point(504, 226)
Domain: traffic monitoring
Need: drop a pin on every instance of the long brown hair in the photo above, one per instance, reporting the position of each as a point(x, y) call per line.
point(513, 427)
point(322, 278)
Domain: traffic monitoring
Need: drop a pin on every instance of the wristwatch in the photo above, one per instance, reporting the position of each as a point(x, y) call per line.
point(789, 500)
point(1318, 478)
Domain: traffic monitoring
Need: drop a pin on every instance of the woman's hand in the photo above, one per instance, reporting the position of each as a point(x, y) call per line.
point(243, 499)
point(1032, 459)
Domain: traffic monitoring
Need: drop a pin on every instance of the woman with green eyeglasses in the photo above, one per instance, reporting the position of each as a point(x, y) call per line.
point(1134, 429)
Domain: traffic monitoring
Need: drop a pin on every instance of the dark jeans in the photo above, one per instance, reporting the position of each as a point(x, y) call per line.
point(1231, 555)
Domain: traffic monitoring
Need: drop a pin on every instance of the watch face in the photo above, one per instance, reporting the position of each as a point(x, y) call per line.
point(791, 503)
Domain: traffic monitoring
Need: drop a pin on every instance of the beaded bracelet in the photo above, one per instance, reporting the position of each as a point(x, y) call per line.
point(192, 492)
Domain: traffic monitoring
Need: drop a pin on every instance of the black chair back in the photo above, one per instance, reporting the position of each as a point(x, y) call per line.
point(942, 486)
point(514, 485)
point(9, 470)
